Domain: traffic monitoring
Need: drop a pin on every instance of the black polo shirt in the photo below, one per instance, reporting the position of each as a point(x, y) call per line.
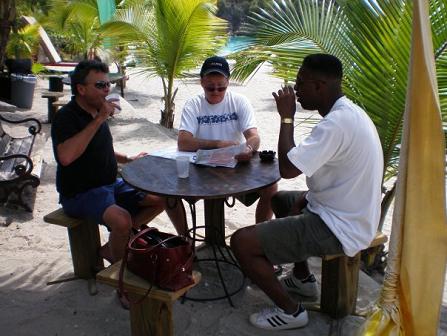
point(96, 167)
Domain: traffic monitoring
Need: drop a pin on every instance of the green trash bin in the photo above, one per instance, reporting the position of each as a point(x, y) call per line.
point(22, 90)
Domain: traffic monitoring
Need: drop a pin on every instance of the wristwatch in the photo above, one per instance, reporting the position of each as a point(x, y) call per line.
point(287, 121)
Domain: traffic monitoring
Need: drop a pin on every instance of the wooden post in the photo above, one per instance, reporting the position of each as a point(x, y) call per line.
point(84, 244)
point(339, 279)
point(151, 317)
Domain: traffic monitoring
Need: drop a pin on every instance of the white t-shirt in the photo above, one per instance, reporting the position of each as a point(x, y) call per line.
point(343, 162)
point(226, 120)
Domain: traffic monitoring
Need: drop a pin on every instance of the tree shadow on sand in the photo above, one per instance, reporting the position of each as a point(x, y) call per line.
point(141, 130)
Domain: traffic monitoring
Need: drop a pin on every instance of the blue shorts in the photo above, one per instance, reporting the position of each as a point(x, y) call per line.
point(93, 203)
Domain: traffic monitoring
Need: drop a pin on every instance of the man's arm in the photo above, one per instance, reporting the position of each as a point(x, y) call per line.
point(72, 148)
point(286, 105)
point(188, 143)
point(123, 158)
point(252, 140)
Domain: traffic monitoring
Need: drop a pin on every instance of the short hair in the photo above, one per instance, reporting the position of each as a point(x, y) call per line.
point(83, 69)
point(324, 64)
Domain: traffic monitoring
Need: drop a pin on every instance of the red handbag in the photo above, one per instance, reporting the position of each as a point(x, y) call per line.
point(163, 259)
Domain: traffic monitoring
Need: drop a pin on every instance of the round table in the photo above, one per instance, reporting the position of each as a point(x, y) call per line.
point(158, 176)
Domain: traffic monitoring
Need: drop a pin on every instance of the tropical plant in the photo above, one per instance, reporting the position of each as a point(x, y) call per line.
point(170, 39)
point(77, 21)
point(23, 43)
point(372, 39)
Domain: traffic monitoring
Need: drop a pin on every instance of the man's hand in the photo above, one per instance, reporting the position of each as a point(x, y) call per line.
point(139, 155)
point(245, 156)
point(285, 102)
point(107, 109)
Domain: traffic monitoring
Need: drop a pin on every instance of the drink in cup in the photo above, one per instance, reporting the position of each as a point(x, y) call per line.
point(114, 98)
point(182, 163)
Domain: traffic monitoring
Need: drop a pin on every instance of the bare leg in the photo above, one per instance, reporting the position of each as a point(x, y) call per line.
point(177, 215)
point(153, 205)
point(264, 210)
point(248, 251)
point(120, 222)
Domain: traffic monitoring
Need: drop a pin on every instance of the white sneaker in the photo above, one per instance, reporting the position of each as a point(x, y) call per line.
point(275, 318)
point(306, 287)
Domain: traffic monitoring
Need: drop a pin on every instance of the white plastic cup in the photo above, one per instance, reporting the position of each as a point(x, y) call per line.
point(115, 98)
point(182, 163)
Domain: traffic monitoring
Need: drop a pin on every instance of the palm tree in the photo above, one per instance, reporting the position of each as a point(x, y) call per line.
point(170, 39)
point(77, 21)
point(372, 39)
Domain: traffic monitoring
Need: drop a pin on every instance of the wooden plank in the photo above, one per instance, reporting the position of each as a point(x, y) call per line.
point(52, 94)
point(4, 142)
point(380, 238)
point(137, 285)
point(58, 217)
point(16, 146)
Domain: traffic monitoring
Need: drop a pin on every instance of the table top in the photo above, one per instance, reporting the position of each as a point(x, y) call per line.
point(158, 175)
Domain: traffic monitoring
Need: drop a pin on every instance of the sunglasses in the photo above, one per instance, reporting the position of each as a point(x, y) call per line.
point(101, 85)
point(212, 89)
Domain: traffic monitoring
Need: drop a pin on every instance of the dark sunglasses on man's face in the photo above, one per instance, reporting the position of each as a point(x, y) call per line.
point(101, 85)
point(212, 89)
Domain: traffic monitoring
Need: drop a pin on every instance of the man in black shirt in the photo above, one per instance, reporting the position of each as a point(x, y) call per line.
point(86, 176)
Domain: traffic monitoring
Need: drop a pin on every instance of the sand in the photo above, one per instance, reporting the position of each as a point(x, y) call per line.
point(34, 252)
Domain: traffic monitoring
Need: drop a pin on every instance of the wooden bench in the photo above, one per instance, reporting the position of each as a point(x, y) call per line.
point(153, 316)
point(339, 282)
point(53, 97)
point(84, 245)
point(19, 167)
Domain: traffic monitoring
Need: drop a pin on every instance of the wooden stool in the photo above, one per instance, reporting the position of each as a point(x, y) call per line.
point(339, 282)
point(52, 97)
point(84, 245)
point(153, 316)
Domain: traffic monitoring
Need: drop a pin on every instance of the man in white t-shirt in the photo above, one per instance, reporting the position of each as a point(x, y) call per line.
point(343, 162)
point(219, 118)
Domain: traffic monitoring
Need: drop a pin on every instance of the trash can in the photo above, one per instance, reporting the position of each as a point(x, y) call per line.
point(56, 83)
point(22, 90)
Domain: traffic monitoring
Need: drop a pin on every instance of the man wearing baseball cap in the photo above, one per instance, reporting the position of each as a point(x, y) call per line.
point(220, 118)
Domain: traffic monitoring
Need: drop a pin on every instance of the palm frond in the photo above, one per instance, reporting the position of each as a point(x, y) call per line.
point(371, 38)
point(292, 29)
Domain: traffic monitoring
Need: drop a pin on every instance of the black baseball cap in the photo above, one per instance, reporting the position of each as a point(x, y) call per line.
point(215, 64)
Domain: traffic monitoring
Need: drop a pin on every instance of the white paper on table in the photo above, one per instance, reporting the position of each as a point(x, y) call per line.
point(172, 153)
point(222, 157)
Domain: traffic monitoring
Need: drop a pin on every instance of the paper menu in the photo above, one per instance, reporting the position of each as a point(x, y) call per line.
point(220, 157)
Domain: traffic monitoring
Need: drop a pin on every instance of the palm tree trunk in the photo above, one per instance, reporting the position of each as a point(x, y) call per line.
point(386, 202)
point(167, 113)
point(7, 17)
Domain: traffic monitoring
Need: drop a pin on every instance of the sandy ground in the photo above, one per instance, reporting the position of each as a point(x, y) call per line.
point(34, 252)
